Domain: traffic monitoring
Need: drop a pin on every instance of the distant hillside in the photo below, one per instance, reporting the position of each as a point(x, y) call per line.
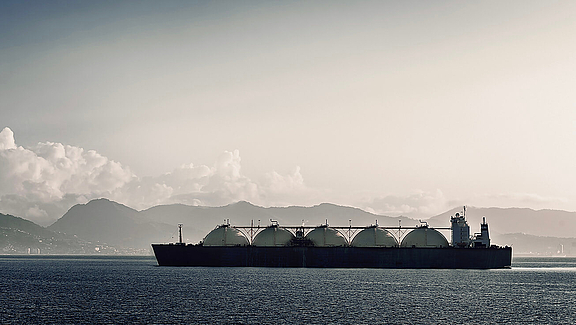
point(550, 223)
point(20, 236)
point(198, 221)
point(11, 222)
point(104, 225)
point(106, 222)
point(523, 244)
point(111, 223)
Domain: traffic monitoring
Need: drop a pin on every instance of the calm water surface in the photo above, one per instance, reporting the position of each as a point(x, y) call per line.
point(113, 290)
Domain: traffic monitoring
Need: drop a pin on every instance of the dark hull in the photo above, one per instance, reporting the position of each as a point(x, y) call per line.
point(333, 257)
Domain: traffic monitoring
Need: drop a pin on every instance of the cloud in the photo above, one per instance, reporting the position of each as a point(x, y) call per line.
point(50, 174)
point(40, 183)
point(7, 139)
point(289, 189)
point(220, 184)
point(282, 184)
point(41, 212)
point(532, 200)
point(423, 204)
point(420, 204)
point(50, 170)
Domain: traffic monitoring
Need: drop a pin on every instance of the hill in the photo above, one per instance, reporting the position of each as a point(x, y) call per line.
point(20, 236)
point(110, 223)
point(198, 221)
point(550, 223)
point(523, 244)
point(104, 226)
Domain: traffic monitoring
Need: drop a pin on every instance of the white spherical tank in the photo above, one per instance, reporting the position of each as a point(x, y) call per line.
point(225, 236)
point(424, 237)
point(374, 237)
point(326, 237)
point(273, 236)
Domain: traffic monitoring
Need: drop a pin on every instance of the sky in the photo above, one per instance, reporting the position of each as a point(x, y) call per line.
point(396, 107)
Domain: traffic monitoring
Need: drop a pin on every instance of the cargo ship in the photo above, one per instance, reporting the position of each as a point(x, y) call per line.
point(326, 246)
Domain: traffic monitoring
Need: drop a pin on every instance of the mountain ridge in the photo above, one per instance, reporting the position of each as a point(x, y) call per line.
point(109, 222)
point(544, 222)
point(114, 227)
point(21, 236)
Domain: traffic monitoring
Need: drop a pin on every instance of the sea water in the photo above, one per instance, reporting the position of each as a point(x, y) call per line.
point(119, 290)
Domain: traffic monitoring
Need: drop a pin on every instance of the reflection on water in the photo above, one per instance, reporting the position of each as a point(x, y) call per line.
point(544, 263)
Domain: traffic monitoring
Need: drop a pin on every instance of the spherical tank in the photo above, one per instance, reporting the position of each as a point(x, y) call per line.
point(374, 237)
point(424, 237)
point(273, 236)
point(225, 236)
point(326, 237)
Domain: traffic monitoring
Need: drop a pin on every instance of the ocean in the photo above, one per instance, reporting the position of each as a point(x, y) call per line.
point(121, 290)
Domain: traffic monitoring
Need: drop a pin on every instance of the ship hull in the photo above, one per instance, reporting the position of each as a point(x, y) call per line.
point(333, 257)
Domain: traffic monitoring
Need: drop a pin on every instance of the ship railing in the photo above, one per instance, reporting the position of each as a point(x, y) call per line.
point(252, 231)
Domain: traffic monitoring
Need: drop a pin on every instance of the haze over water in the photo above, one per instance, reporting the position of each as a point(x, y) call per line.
point(111, 290)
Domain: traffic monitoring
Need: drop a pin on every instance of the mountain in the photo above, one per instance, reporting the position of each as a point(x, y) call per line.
point(11, 222)
point(550, 223)
point(523, 244)
point(20, 236)
point(106, 226)
point(111, 223)
point(198, 221)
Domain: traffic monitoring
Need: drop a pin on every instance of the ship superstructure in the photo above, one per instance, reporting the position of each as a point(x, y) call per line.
point(460, 230)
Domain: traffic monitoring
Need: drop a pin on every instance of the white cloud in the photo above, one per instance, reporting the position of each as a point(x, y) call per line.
point(422, 204)
point(281, 184)
point(50, 170)
point(42, 182)
point(419, 204)
point(7, 139)
point(531, 200)
point(289, 189)
point(36, 212)
point(220, 184)
point(41, 212)
point(48, 173)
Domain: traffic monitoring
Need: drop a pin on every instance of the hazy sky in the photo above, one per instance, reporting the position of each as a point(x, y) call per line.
point(397, 107)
